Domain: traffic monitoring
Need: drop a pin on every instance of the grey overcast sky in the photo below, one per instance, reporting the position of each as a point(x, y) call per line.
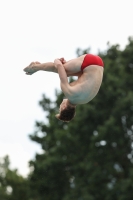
point(43, 30)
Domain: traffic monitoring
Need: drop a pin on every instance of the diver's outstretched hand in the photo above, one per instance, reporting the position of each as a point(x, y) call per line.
point(32, 68)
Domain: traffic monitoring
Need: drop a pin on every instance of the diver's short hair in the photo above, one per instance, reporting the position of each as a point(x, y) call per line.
point(67, 114)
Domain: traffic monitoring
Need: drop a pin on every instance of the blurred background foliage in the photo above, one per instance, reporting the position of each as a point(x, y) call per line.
point(90, 158)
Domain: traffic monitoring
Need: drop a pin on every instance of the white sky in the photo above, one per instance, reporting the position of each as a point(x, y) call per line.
point(43, 30)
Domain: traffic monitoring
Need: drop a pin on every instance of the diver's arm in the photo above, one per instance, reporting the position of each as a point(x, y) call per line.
point(66, 88)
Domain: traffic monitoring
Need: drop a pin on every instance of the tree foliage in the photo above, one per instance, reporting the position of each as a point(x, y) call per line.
point(90, 158)
point(12, 185)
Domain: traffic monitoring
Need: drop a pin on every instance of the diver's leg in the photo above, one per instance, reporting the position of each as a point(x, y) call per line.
point(36, 66)
point(72, 67)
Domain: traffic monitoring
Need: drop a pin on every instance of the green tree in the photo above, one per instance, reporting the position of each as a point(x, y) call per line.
point(89, 158)
point(12, 185)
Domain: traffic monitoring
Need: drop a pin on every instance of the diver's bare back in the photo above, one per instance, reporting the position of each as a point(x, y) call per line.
point(87, 85)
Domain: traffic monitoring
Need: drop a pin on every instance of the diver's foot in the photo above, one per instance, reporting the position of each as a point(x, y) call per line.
point(32, 68)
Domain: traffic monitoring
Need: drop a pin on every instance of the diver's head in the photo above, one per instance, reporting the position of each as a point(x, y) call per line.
point(67, 111)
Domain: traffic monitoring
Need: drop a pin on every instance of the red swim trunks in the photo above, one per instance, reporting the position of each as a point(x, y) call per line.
point(90, 59)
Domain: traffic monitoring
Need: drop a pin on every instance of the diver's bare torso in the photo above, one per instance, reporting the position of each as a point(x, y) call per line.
point(85, 88)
